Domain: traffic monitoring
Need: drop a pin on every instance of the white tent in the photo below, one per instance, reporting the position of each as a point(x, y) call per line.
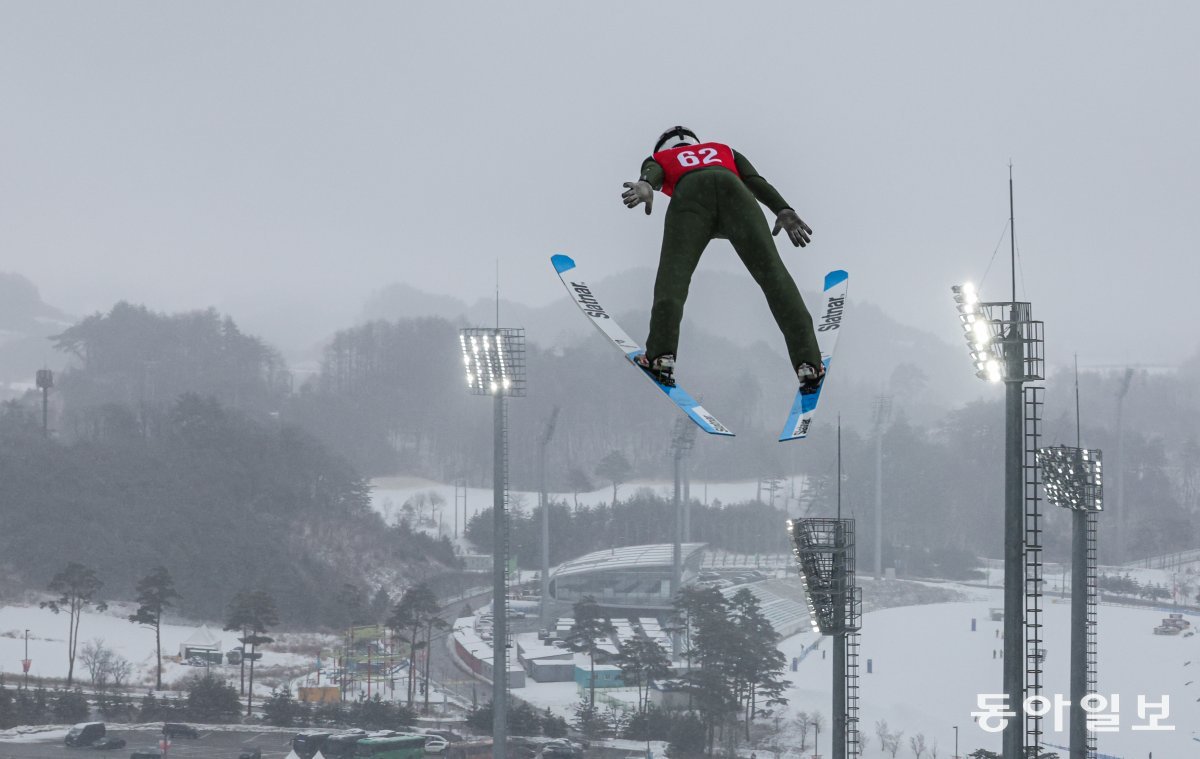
point(201, 639)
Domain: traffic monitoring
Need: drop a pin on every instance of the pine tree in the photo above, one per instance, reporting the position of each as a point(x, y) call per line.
point(253, 613)
point(642, 660)
point(759, 665)
point(155, 592)
point(616, 469)
point(77, 586)
point(589, 631)
point(411, 615)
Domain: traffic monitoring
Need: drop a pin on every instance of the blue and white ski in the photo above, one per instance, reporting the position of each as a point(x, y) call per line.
point(585, 297)
point(828, 324)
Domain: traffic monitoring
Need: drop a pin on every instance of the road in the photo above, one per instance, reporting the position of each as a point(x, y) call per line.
point(215, 744)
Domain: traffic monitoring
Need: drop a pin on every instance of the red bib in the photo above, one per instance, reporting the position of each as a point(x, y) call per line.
point(678, 161)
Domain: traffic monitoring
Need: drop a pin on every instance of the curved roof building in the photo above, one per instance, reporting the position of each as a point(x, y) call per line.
point(630, 577)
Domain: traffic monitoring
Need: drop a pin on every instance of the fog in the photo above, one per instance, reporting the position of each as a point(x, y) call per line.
point(283, 161)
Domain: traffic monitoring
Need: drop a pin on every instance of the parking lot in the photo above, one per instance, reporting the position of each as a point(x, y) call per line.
point(216, 744)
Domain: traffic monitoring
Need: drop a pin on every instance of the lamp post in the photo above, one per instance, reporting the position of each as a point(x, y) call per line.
point(956, 742)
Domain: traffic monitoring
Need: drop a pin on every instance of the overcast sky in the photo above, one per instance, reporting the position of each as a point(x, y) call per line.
point(281, 161)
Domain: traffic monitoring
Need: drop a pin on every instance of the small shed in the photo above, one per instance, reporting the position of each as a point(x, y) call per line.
point(668, 695)
point(607, 675)
point(546, 664)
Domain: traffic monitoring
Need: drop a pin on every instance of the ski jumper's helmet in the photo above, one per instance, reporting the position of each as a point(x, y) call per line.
point(676, 137)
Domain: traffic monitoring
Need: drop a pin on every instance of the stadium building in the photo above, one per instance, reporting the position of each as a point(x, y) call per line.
point(629, 577)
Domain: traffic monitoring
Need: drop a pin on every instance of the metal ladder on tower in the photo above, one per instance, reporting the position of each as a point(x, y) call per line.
point(1035, 652)
point(853, 746)
point(1091, 637)
point(504, 539)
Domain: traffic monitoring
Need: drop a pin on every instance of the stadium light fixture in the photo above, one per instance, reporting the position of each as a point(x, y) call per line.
point(979, 331)
point(493, 360)
point(1072, 477)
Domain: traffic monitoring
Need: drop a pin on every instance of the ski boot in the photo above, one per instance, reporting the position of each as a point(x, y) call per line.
point(810, 377)
point(661, 368)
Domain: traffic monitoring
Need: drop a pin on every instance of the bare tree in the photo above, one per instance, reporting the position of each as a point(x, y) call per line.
point(917, 744)
point(894, 741)
point(933, 751)
point(105, 667)
point(881, 732)
point(119, 670)
point(95, 657)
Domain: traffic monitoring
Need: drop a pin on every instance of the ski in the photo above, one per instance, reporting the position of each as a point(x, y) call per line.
point(828, 325)
point(585, 297)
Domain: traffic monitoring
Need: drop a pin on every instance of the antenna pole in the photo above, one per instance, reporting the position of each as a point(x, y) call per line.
point(839, 468)
point(1078, 433)
point(1012, 234)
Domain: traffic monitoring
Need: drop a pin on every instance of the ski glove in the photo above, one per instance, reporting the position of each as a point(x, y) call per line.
point(799, 232)
point(638, 192)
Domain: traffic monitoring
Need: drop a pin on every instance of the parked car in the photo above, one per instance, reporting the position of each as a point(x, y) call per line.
point(172, 730)
point(107, 743)
point(84, 734)
point(255, 754)
point(561, 749)
point(435, 744)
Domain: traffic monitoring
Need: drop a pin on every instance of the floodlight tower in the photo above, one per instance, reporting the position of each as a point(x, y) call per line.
point(883, 412)
point(544, 502)
point(824, 551)
point(1073, 481)
point(682, 440)
point(1006, 345)
point(45, 381)
point(494, 359)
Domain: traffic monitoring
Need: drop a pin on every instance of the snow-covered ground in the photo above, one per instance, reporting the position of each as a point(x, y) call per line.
point(928, 668)
point(48, 646)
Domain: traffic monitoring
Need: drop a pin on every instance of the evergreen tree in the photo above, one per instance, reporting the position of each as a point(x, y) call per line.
point(642, 660)
point(553, 726)
point(588, 719)
point(759, 664)
point(253, 613)
point(77, 586)
point(411, 616)
point(155, 592)
point(69, 706)
point(280, 709)
point(616, 469)
point(209, 699)
point(587, 633)
point(687, 739)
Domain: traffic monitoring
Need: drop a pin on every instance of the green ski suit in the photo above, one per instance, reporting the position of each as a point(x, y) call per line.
point(713, 203)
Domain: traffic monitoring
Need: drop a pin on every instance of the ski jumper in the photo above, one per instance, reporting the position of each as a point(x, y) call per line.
point(715, 193)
